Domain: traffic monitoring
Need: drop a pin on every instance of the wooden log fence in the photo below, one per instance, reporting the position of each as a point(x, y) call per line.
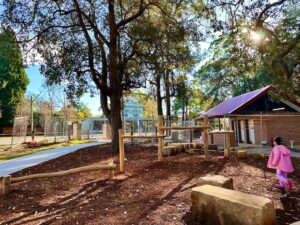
point(8, 180)
point(160, 130)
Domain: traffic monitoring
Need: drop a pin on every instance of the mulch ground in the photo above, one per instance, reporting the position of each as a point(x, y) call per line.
point(150, 192)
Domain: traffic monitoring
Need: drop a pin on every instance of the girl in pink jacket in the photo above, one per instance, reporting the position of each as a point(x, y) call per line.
point(280, 160)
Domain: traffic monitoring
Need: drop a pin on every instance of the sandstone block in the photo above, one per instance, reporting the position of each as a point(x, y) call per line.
point(169, 150)
point(242, 154)
point(197, 145)
point(219, 206)
point(213, 147)
point(216, 180)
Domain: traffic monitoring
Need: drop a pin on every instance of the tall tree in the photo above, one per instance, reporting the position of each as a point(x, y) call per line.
point(268, 34)
point(82, 111)
point(230, 72)
point(83, 40)
point(13, 79)
point(170, 52)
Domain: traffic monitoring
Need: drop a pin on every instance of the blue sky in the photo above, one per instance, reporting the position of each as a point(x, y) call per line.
point(37, 81)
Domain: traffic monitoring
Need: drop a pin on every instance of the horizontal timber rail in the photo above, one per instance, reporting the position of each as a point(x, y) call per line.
point(184, 128)
point(221, 132)
point(143, 136)
point(160, 136)
point(8, 180)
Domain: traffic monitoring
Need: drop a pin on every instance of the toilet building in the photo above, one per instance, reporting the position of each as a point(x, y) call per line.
point(255, 118)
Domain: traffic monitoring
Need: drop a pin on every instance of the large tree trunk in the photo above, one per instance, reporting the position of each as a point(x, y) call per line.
point(116, 121)
point(115, 80)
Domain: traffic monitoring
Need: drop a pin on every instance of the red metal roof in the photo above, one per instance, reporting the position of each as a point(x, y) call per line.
point(236, 104)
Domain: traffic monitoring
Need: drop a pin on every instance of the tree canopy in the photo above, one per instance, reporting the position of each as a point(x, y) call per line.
point(81, 41)
point(13, 79)
point(263, 41)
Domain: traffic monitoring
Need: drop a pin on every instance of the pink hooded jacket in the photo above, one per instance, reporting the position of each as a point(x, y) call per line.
point(280, 159)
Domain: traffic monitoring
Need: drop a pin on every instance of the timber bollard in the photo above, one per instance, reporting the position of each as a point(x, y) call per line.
point(6, 184)
point(205, 134)
point(227, 138)
point(226, 153)
point(131, 133)
point(110, 172)
point(121, 151)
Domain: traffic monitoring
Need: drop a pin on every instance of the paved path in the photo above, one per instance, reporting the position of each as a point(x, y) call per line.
point(17, 164)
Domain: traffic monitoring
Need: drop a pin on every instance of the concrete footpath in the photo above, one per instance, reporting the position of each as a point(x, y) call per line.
point(17, 164)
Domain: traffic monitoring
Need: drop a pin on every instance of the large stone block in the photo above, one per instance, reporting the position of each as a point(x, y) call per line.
point(180, 146)
point(216, 180)
point(197, 145)
point(242, 154)
point(219, 206)
point(169, 150)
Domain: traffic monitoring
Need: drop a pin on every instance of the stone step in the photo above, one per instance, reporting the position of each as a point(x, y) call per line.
point(241, 154)
point(169, 150)
point(213, 205)
point(215, 180)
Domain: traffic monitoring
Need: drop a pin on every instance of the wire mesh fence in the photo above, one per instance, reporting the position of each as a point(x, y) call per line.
point(54, 128)
point(19, 131)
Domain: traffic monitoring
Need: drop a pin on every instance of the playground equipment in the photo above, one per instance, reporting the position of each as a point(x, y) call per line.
point(8, 180)
point(160, 137)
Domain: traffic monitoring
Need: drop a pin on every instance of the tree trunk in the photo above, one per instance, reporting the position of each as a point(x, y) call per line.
point(116, 121)
point(182, 118)
point(158, 94)
point(168, 99)
point(115, 79)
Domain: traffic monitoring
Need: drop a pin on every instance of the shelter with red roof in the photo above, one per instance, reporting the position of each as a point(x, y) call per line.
point(255, 117)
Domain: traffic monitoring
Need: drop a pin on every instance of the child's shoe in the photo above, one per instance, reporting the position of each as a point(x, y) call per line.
point(279, 187)
point(290, 185)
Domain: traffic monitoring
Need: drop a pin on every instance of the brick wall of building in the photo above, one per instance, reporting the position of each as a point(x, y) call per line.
point(219, 139)
point(288, 127)
point(276, 124)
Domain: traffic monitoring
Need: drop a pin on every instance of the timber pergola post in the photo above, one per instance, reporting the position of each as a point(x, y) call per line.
point(227, 151)
point(205, 136)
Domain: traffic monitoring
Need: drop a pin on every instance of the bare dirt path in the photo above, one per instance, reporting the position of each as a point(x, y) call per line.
point(150, 192)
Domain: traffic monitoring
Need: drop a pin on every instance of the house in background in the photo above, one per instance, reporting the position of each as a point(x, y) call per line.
point(255, 118)
point(132, 114)
point(133, 110)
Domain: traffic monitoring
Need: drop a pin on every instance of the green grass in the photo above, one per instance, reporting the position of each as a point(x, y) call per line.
point(44, 148)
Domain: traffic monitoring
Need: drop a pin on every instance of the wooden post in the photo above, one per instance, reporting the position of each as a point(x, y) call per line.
point(110, 172)
point(205, 131)
point(131, 133)
point(6, 184)
point(121, 151)
point(227, 138)
point(160, 140)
